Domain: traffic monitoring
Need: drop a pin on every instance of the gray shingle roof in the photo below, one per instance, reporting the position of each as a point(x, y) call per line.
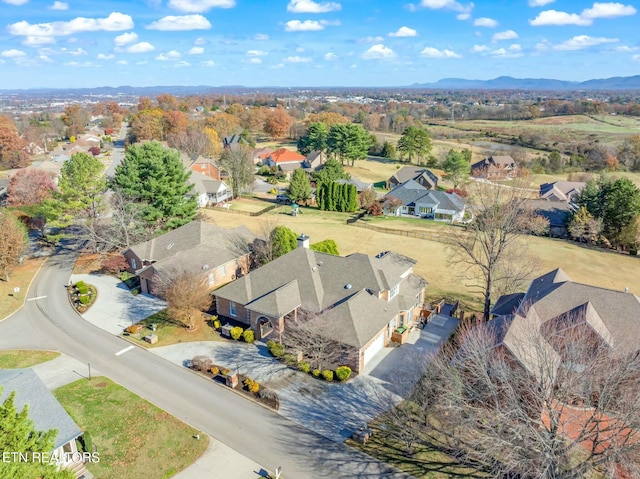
point(407, 173)
point(343, 288)
point(613, 315)
point(561, 190)
point(44, 409)
point(411, 193)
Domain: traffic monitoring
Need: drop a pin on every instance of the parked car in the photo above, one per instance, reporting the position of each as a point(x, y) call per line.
point(283, 199)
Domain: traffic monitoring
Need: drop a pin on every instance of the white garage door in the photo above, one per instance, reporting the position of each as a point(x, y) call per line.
point(373, 349)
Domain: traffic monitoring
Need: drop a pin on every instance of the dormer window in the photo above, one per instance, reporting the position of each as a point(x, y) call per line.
point(393, 292)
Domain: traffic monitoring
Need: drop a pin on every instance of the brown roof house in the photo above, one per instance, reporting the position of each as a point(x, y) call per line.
point(566, 191)
point(554, 300)
point(221, 254)
point(205, 166)
point(358, 300)
point(495, 168)
point(419, 174)
point(46, 413)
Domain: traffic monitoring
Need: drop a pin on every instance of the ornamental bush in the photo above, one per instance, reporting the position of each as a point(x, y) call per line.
point(304, 366)
point(276, 349)
point(327, 374)
point(84, 299)
point(251, 385)
point(236, 332)
point(316, 373)
point(82, 288)
point(215, 370)
point(343, 373)
point(80, 284)
point(248, 336)
point(289, 359)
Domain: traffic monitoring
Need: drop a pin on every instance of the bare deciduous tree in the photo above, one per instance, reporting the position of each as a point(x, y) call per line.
point(491, 244)
point(573, 411)
point(186, 293)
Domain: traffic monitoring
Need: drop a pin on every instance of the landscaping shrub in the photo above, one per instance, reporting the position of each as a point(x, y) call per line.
point(316, 373)
point(82, 288)
point(87, 442)
point(276, 349)
point(251, 385)
point(216, 324)
point(270, 343)
point(236, 332)
point(225, 372)
point(248, 336)
point(135, 291)
point(327, 374)
point(80, 284)
point(289, 359)
point(215, 370)
point(201, 363)
point(84, 299)
point(132, 329)
point(343, 373)
point(125, 275)
point(273, 191)
point(304, 366)
point(114, 264)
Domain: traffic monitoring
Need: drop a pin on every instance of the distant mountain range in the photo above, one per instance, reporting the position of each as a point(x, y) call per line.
point(500, 83)
point(510, 83)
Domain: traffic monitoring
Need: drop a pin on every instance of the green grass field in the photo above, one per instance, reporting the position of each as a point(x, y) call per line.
point(133, 437)
point(21, 358)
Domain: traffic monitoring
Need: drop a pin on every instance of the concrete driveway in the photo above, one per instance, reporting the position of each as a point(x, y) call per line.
point(333, 410)
point(116, 308)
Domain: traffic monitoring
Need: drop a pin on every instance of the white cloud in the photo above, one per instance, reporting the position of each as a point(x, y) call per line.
point(378, 51)
point(432, 52)
point(171, 55)
point(208, 63)
point(463, 16)
point(540, 3)
point(59, 6)
point(309, 6)
point(480, 48)
point(76, 53)
point(113, 23)
point(404, 32)
point(448, 4)
point(376, 39)
point(255, 60)
point(635, 58)
point(506, 35)
point(13, 53)
point(297, 59)
point(306, 26)
point(485, 22)
point(15, 2)
point(513, 51)
point(200, 41)
point(102, 56)
point(261, 37)
point(256, 53)
point(626, 49)
point(330, 56)
point(180, 23)
point(196, 51)
point(580, 42)
point(141, 47)
point(299, 49)
point(588, 15)
point(181, 64)
point(200, 6)
point(122, 40)
point(122, 62)
point(33, 41)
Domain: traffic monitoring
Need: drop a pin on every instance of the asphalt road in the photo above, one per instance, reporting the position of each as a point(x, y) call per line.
point(262, 435)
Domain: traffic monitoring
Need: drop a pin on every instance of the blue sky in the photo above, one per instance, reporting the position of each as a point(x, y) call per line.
point(89, 43)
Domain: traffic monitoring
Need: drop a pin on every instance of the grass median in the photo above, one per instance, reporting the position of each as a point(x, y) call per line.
point(22, 358)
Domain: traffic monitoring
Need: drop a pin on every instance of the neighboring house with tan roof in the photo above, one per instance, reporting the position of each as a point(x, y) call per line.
point(220, 254)
point(566, 191)
point(46, 413)
point(358, 299)
point(419, 174)
point(259, 154)
point(206, 166)
point(554, 300)
point(495, 168)
point(314, 161)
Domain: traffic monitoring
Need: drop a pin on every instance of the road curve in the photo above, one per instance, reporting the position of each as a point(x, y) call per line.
point(258, 433)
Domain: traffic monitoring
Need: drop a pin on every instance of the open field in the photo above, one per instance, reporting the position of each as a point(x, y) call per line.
point(19, 277)
point(597, 267)
point(134, 437)
point(20, 358)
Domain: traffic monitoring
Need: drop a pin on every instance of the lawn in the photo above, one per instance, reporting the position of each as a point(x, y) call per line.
point(133, 437)
point(21, 358)
point(592, 266)
point(170, 332)
point(19, 277)
point(248, 204)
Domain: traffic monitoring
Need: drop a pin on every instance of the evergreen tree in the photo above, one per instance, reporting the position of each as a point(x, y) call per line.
point(299, 187)
point(348, 141)
point(18, 435)
point(332, 170)
point(456, 165)
point(328, 246)
point(156, 176)
point(415, 143)
point(331, 199)
point(81, 186)
point(353, 199)
point(283, 240)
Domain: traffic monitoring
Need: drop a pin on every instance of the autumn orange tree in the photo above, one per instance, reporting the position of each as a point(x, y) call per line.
point(277, 123)
point(13, 242)
point(12, 146)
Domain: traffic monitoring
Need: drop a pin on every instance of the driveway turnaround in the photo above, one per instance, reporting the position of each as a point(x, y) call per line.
point(116, 308)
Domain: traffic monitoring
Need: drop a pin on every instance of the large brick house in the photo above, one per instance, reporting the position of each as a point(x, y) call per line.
point(220, 254)
point(495, 168)
point(360, 300)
